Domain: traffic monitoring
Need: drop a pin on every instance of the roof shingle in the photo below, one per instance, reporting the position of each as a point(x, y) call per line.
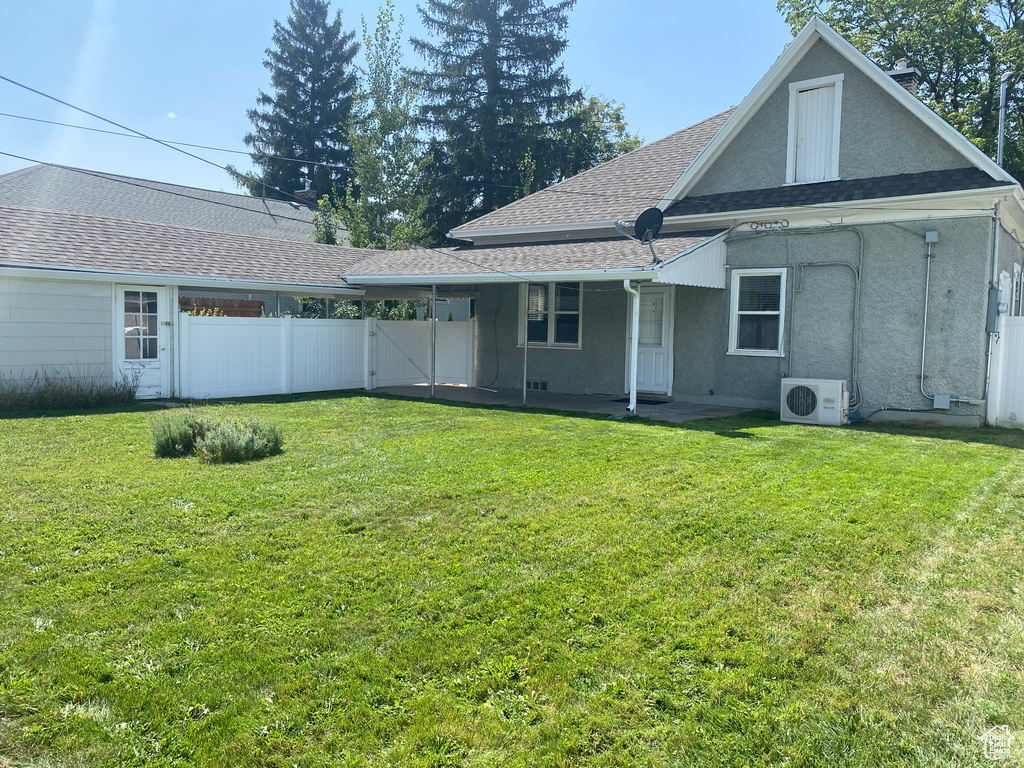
point(83, 241)
point(844, 190)
point(608, 253)
point(63, 188)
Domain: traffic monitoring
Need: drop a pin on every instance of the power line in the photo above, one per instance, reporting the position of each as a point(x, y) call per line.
point(131, 183)
point(132, 135)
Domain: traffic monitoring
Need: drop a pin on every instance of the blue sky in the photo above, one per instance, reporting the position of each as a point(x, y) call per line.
point(188, 70)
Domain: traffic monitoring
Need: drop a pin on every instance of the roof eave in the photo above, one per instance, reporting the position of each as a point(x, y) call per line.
point(483, 278)
point(23, 269)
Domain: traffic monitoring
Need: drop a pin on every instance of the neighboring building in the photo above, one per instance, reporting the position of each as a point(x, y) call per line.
point(799, 240)
point(62, 188)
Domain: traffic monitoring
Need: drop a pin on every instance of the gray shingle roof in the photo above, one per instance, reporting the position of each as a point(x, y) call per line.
point(618, 189)
point(83, 241)
point(844, 190)
point(563, 255)
point(62, 188)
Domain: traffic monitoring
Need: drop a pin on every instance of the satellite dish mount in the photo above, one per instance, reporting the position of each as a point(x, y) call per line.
point(645, 229)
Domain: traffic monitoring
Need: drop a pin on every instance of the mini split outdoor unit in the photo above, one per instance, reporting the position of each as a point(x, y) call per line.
point(815, 401)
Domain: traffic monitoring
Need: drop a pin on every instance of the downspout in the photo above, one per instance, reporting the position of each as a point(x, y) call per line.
point(634, 344)
point(526, 337)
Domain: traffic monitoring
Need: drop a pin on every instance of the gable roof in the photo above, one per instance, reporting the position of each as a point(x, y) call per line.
point(63, 188)
point(814, 31)
point(617, 189)
point(87, 243)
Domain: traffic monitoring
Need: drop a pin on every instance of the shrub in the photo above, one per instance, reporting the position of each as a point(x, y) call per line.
point(240, 441)
point(187, 433)
point(176, 433)
point(61, 389)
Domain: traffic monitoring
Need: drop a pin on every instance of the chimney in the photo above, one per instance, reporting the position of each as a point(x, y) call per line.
point(307, 195)
point(906, 76)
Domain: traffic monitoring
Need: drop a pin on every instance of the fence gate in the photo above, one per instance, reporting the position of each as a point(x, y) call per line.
point(1006, 389)
point(401, 352)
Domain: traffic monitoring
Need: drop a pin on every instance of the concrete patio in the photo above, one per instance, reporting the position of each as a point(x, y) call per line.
point(673, 411)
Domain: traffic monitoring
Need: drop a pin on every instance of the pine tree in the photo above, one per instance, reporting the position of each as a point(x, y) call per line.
point(496, 99)
point(307, 114)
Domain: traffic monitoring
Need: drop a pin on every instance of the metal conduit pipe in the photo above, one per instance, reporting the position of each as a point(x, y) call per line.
point(858, 275)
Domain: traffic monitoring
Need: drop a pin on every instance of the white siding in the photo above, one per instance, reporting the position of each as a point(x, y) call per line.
point(56, 325)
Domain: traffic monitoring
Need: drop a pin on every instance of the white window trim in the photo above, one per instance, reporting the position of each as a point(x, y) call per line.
point(523, 309)
point(734, 324)
point(805, 85)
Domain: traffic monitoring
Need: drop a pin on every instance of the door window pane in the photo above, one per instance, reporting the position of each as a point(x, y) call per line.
point(652, 320)
point(132, 349)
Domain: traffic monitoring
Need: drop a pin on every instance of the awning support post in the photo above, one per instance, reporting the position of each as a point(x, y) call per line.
point(634, 344)
point(526, 337)
point(433, 338)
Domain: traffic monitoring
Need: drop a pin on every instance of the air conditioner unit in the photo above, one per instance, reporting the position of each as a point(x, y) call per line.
point(815, 401)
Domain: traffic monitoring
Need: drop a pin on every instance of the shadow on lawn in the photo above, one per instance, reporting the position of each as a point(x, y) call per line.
point(736, 426)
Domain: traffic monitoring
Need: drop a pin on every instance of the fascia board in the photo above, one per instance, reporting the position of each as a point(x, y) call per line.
point(19, 269)
point(578, 275)
point(529, 229)
point(908, 203)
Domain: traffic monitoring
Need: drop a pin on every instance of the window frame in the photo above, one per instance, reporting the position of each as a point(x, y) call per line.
point(806, 85)
point(734, 312)
point(524, 294)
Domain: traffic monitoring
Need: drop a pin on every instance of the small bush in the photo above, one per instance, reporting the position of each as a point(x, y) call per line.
point(240, 441)
point(187, 433)
point(176, 433)
point(61, 389)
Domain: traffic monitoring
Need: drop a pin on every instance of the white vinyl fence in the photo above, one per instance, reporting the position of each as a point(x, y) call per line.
point(1006, 400)
point(240, 356)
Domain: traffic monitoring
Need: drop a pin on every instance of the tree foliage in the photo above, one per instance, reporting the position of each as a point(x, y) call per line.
point(306, 116)
point(496, 98)
point(961, 47)
point(384, 205)
point(599, 134)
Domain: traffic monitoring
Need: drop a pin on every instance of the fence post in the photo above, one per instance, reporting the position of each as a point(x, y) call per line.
point(286, 354)
point(370, 328)
point(470, 351)
point(183, 387)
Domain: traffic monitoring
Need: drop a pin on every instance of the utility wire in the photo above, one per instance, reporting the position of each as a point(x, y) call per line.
point(129, 182)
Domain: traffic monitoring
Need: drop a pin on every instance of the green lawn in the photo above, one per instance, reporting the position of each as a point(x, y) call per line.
point(424, 584)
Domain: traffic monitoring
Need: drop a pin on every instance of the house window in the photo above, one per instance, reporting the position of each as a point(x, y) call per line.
point(815, 109)
point(552, 314)
point(140, 325)
point(758, 312)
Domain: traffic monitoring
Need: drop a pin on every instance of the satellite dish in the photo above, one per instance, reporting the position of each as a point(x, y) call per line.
point(648, 224)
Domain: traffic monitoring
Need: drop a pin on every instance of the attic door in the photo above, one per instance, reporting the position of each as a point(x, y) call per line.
point(814, 131)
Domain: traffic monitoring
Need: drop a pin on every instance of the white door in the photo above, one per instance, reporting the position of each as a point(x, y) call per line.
point(142, 325)
point(654, 357)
